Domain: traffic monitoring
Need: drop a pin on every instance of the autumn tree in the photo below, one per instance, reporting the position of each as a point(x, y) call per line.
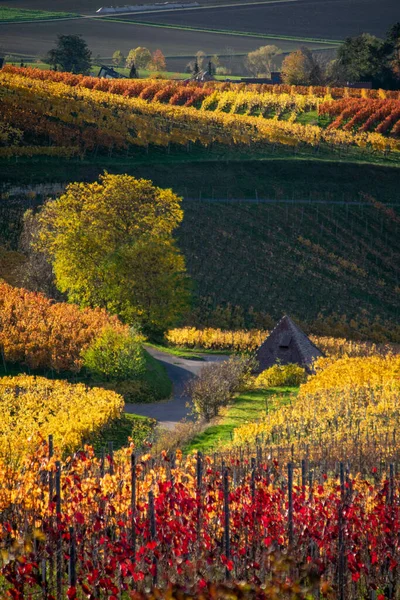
point(118, 58)
point(111, 245)
point(71, 54)
point(260, 61)
point(157, 61)
point(303, 67)
point(139, 56)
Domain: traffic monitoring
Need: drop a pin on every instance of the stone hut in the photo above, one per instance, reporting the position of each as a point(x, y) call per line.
point(287, 343)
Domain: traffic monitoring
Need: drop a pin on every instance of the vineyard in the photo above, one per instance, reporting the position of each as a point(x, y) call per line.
point(357, 400)
point(381, 116)
point(61, 114)
point(114, 526)
point(244, 341)
point(252, 262)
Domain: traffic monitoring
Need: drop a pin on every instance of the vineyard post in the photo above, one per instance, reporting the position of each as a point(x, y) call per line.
point(391, 484)
point(341, 553)
point(51, 481)
point(290, 499)
point(133, 500)
point(199, 473)
point(58, 532)
point(44, 579)
point(152, 518)
point(72, 559)
point(199, 469)
point(102, 461)
point(253, 478)
point(392, 573)
point(111, 455)
point(303, 475)
point(226, 520)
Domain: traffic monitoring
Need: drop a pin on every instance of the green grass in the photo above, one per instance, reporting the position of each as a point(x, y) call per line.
point(247, 407)
point(188, 354)
point(157, 379)
point(266, 36)
point(120, 430)
point(143, 73)
point(11, 15)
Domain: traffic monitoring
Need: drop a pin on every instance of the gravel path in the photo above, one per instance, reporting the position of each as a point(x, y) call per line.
point(180, 371)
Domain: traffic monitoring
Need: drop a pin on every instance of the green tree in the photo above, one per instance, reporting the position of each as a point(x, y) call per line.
point(118, 58)
point(140, 56)
point(111, 245)
point(71, 54)
point(392, 51)
point(361, 58)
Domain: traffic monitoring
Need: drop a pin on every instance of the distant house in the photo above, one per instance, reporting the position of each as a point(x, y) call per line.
point(286, 344)
point(202, 76)
point(276, 77)
point(265, 80)
point(359, 85)
point(109, 73)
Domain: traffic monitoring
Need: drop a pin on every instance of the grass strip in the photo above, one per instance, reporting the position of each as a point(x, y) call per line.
point(226, 32)
point(248, 406)
point(17, 15)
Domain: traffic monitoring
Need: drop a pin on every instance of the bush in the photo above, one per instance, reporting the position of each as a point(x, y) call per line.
point(280, 375)
point(133, 391)
point(116, 355)
point(216, 385)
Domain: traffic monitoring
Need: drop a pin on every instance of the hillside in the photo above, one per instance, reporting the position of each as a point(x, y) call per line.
point(320, 235)
point(298, 257)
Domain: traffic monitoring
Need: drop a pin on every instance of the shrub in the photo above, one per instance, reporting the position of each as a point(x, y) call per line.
point(216, 385)
point(133, 391)
point(115, 355)
point(280, 375)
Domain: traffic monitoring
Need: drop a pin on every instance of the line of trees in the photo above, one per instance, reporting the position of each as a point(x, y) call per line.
point(363, 58)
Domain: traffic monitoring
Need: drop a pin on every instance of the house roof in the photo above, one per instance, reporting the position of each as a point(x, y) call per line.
point(287, 343)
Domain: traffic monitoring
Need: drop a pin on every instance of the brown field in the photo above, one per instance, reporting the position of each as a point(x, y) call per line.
point(90, 6)
point(323, 19)
point(104, 37)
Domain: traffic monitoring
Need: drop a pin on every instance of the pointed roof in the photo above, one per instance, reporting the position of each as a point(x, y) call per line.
point(287, 343)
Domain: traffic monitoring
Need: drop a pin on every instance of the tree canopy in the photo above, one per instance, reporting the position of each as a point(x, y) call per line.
point(302, 67)
point(361, 58)
point(260, 61)
point(71, 54)
point(111, 245)
point(139, 56)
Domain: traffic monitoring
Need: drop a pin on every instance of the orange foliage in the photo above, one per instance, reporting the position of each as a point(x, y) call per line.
point(42, 334)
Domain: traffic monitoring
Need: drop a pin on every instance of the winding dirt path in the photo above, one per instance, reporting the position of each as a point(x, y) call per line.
point(180, 371)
